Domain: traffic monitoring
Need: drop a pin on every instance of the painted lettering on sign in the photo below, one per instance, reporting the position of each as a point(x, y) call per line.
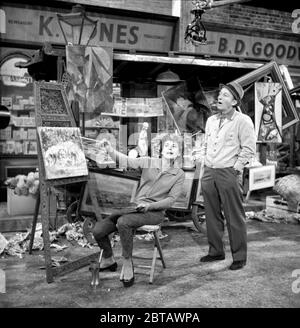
point(226, 44)
point(119, 33)
point(42, 26)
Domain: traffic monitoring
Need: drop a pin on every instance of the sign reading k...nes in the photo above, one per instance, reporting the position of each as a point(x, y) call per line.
point(36, 25)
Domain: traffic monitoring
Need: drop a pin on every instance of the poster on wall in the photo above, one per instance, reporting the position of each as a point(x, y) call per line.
point(62, 152)
point(90, 74)
point(268, 112)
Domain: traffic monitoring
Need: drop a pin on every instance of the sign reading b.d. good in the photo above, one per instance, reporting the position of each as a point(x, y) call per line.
point(40, 24)
point(252, 47)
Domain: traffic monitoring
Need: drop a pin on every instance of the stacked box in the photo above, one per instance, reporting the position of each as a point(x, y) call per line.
point(19, 205)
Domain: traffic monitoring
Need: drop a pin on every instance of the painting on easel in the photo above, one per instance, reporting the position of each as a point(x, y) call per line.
point(62, 152)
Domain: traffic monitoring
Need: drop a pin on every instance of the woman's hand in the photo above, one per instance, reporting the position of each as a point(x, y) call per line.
point(197, 155)
point(143, 208)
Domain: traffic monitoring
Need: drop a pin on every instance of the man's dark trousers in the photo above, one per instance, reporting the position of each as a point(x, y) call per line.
point(221, 190)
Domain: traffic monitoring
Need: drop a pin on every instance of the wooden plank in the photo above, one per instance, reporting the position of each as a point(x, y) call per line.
point(44, 190)
point(75, 265)
point(184, 60)
point(277, 203)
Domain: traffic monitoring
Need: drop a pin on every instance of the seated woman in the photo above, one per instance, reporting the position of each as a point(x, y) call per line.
point(160, 185)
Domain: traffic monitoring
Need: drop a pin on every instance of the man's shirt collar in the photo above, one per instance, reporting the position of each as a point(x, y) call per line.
point(229, 116)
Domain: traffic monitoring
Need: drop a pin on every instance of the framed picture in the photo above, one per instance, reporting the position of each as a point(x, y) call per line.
point(51, 105)
point(188, 106)
point(112, 191)
point(261, 177)
point(62, 152)
point(268, 112)
point(271, 70)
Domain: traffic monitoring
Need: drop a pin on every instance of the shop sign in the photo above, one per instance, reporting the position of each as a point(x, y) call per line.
point(12, 75)
point(252, 47)
point(37, 25)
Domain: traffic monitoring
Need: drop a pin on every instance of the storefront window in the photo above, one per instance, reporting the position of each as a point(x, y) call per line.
point(16, 92)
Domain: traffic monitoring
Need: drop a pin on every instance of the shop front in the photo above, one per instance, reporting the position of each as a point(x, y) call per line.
point(24, 30)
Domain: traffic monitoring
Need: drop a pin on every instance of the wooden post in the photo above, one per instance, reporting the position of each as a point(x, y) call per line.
point(34, 221)
point(45, 228)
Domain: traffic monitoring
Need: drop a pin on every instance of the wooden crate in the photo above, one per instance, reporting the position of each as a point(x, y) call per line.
point(278, 205)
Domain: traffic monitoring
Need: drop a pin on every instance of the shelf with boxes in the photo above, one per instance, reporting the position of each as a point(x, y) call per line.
point(19, 138)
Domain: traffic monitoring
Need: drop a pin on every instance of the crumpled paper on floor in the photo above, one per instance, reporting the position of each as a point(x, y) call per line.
point(264, 216)
point(57, 247)
point(74, 232)
point(18, 244)
point(15, 245)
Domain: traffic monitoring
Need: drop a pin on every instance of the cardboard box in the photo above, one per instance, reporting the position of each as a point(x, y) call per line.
point(19, 205)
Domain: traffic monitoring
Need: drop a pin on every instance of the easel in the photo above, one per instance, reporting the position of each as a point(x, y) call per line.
point(52, 114)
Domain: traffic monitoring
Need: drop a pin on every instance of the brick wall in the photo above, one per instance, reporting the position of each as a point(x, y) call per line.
point(162, 7)
point(243, 17)
point(247, 16)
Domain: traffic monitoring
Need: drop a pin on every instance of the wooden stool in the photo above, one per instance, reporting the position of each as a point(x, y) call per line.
point(157, 247)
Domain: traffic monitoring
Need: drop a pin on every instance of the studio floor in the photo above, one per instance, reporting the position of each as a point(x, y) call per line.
point(266, 281)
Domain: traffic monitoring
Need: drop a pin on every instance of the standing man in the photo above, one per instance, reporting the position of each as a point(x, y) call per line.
point(229, 145)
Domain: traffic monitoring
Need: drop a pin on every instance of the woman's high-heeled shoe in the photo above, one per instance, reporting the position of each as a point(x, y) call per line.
point(112, 267)
point(130, 282)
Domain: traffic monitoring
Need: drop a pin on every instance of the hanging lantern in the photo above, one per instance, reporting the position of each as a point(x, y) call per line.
point(76, 27)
